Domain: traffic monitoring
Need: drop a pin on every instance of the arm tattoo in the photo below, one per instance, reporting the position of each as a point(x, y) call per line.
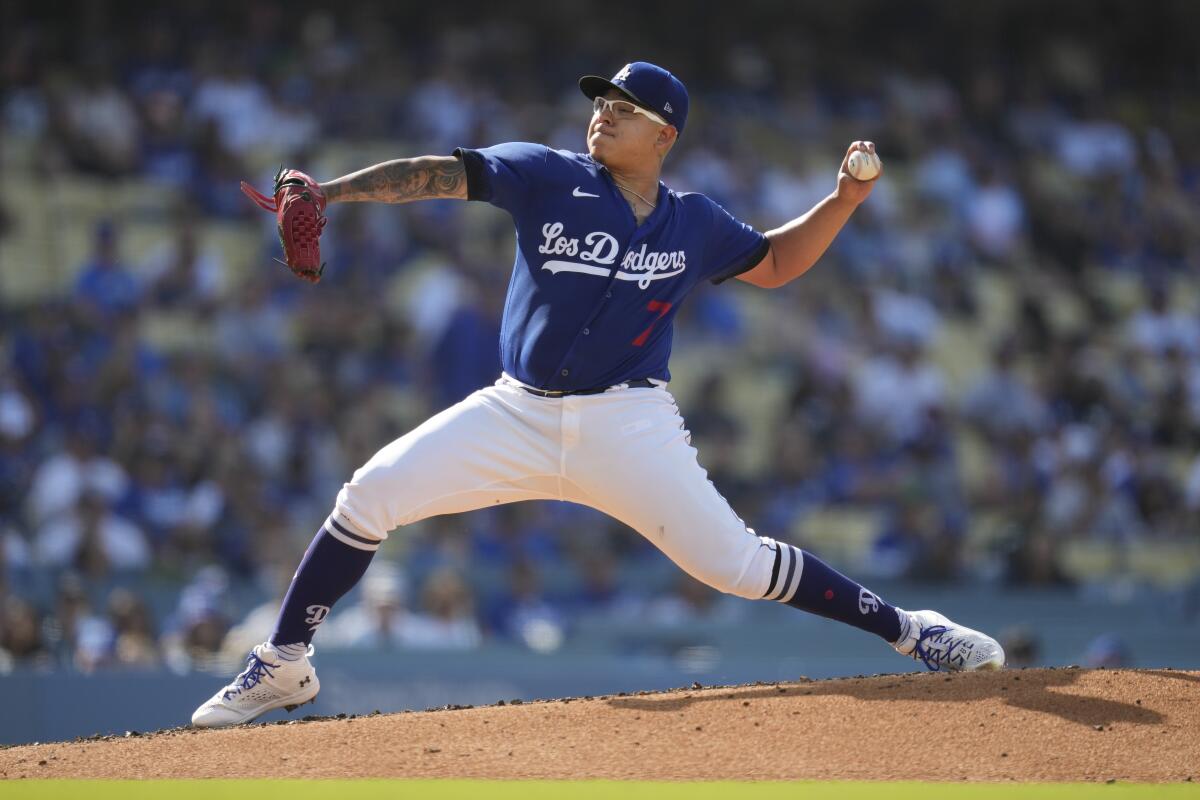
point(402, 181)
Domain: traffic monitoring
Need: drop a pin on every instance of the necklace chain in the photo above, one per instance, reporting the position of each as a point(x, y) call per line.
point(635, 194)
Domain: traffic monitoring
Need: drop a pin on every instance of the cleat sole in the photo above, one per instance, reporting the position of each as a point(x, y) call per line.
point(294, 706)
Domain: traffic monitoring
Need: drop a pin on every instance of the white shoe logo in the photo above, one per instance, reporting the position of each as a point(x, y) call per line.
point(867, 602)
point(318, 616)
point(580, 193)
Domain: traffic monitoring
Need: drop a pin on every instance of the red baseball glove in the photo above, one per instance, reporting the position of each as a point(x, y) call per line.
point(299, 208)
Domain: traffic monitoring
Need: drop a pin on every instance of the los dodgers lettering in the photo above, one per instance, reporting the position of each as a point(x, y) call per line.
point(641, 265)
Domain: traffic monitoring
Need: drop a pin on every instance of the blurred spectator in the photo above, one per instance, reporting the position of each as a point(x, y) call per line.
point(1000, 401)
point(250, 329)
point(1094, 146)
point(379, 620)
point(105, 287)
point(94, 637)
point(15, 556)
point(466, 355)
point(795, 483)
point(17, 426)
point(1192, 486)
point(709, 418)
point(183, 273)
point(599, 593)
point(914, 542)
point(135, 642)
point(516, 533)
point(995, 217)
point(1034, 559)
point(1157, 328)
point(16, 412)
point(1109, 651)
point(1021, 647)
point(897, 388)
point(203, 617)
point(524, 614)
point(20, 635)
point(442, 107)
point(93, 540)
point(72, 613)
point(180, 517)
point(908, 320)
point(228, 95)
point(446, 620)
point(691, 601)
point(256, 624)
point(168, 156)
point(101, 125)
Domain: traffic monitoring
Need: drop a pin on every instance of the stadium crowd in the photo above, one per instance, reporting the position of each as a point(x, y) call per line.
point(1056, 177)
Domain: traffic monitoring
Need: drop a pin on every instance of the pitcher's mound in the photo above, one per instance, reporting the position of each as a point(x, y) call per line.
point(1046, 725)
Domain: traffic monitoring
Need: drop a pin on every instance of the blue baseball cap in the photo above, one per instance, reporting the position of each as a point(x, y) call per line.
point(648, 85)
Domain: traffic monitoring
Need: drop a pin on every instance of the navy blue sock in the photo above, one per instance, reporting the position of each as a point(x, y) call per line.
point(825, 591)
point(329, 570)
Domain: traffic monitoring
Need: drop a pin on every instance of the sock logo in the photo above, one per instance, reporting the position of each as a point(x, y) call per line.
point(320, 612)
point(867, 602)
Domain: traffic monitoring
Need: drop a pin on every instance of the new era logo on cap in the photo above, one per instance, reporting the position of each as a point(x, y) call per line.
point(648, 85)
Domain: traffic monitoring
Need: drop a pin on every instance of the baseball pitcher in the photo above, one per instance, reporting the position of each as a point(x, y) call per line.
point(605, 255)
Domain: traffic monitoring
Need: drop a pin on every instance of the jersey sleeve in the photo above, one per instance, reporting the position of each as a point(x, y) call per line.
point(733, 246)
point(503, 174)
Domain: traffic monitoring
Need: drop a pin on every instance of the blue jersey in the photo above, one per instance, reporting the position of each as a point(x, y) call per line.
point(593, 295)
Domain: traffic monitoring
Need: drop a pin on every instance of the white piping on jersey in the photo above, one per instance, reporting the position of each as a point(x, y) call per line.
point(643, 278)
point(570, 266)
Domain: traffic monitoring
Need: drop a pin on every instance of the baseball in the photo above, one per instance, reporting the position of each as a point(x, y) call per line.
point(863, 166)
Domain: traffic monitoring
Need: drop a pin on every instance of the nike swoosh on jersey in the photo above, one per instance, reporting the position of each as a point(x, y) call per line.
point(580, 193)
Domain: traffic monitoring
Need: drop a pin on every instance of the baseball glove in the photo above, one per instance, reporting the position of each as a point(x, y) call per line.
point(299, 208)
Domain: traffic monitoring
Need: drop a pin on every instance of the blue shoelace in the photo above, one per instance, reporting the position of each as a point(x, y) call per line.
point(934, 659)
point(252, 675)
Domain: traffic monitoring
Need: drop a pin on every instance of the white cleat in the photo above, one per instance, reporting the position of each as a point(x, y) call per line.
point(929, 637)
point(267, 682)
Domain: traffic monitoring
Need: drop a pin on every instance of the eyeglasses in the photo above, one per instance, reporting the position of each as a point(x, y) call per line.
point(623, 109)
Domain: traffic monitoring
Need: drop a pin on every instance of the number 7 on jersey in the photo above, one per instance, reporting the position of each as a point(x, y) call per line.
point(662, 309)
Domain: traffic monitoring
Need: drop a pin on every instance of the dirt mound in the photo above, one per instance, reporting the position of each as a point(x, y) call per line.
point(1047, 724)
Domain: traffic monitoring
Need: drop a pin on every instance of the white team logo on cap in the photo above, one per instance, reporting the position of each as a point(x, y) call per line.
point(668, 109)
point(623, 75)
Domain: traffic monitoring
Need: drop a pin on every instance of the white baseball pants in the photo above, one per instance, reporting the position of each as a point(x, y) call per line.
point(624, 452)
